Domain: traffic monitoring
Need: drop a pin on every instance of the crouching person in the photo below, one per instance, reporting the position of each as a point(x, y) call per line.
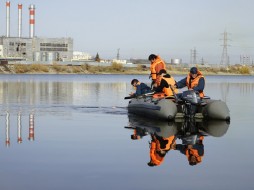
point(141, 88)
point(167, 84)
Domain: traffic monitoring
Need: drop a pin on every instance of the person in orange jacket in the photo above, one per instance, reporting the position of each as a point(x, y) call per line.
point(159, 147)
point(167, 84)
point(156, 65)
point(194, 81)
point(194, 153)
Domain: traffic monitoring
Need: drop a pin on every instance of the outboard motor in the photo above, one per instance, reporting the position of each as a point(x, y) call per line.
point(191, 96)
point(191, 100)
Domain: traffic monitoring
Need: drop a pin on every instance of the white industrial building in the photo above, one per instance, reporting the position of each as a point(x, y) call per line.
point(81, 56)
point(32, 48)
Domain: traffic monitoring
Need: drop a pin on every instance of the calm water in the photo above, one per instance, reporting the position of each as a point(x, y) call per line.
point(69, 132)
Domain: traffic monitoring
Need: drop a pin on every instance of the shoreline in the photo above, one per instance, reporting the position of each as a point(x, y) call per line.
point(116, 69)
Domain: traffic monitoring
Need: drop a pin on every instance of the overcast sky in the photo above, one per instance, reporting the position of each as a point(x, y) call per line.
point(170, 28)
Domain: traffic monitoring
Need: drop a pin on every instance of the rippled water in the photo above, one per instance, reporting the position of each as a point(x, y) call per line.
point(73, 132)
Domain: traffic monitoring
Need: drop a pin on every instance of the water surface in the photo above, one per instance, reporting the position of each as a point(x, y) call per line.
point(69, 132)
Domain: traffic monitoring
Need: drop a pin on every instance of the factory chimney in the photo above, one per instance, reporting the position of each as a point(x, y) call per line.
point(8, 4)
point(31, 20)
point(19, 20)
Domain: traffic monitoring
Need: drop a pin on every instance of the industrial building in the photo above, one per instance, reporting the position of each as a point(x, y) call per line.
point(32, 48)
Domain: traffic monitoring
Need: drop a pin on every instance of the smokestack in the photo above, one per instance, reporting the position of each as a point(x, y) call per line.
point(31, 20)
point(8, 4)
point(19, 20)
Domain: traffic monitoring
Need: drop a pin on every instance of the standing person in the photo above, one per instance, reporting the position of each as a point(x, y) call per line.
point(194, 81)
point(141, 88)
point(166, 81)
point(156, 65)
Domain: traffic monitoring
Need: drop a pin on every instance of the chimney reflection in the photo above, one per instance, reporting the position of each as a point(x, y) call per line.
point(31, 127)
point(19, 128)
point(7, 129)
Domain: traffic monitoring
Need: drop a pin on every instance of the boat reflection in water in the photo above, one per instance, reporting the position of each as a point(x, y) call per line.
point(19, 128)
point(185, 136)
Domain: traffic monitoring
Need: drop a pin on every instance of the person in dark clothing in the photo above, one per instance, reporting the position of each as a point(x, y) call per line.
point(165, 83)
point(194, 81)
point(141, 88)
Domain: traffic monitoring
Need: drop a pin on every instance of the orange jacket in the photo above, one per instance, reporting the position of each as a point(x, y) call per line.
point(156, 66)
point(194, 82)
point(166, 144)
point(162, 143)
point(193, 152)
point(154, 156)
point(171, 81)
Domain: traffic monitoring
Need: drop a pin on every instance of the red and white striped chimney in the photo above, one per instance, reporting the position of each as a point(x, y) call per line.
point(19, 20)
point(31, 20)
point(8, 4)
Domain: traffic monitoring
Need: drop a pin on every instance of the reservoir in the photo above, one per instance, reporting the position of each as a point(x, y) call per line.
point(73, 132)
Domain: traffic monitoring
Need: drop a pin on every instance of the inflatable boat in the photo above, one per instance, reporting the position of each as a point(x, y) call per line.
point(180, 127)
point(186, 104)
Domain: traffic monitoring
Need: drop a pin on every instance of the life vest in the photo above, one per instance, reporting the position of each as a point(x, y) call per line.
point(191, 83)
point(156, 66)
point(166, 143)
point(193, 152)
point(196, 152)
point(154, 156)
point(168, 91)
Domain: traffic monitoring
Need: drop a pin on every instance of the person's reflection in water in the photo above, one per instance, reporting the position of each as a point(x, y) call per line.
point(193, 152)
point(159, 147)
point(138, 133)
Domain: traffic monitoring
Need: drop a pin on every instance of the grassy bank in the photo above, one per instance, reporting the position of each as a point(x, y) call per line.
point(113, 69)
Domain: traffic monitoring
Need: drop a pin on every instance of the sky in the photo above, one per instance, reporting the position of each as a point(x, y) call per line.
point(169, 28)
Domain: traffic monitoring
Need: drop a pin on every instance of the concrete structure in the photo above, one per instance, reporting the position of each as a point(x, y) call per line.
point(36, 49)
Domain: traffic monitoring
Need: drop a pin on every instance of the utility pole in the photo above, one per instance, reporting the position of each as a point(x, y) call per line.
point(224, 57)
point(191, 52)
point(193, 56)
point(118, 55)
